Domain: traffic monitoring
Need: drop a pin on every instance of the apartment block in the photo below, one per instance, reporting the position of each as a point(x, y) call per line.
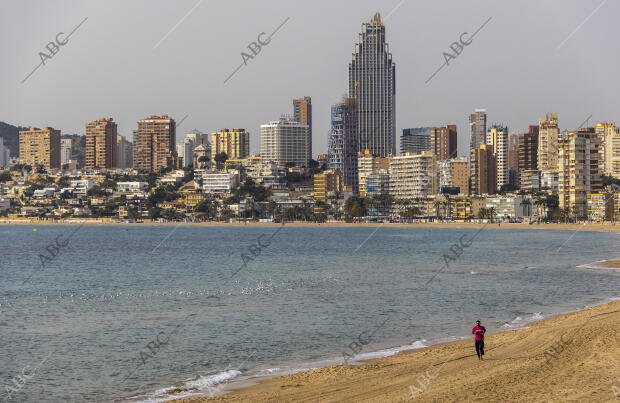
point(40, 147)
point(235, 143)
point(366, 165)
point(302, 112)
point(326, 182)
point(548, 136)
point(413, 175)
point(483, 171)
point(443, 142)
point(579, 174)
point(497, 138)
point(610, 138)
point(155, 144)
point(101, 144)
point(453, 173)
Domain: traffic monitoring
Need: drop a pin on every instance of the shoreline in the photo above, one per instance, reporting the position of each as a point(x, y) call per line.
point(245, 387)
point(555, 341)
point(601, 227)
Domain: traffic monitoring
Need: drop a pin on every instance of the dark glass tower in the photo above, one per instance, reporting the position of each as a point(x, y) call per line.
point(372, 81)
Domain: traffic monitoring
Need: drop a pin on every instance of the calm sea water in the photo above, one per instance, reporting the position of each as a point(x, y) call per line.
point(125, 313)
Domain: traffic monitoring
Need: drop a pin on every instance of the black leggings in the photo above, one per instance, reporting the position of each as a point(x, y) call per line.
point(480, 347)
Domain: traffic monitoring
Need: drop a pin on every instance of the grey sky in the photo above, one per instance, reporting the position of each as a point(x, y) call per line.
point(109, 67)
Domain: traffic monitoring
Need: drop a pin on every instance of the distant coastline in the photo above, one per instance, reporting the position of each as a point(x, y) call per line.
point(608, 227)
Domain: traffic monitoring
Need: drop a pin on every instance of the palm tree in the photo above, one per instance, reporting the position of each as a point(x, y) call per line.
point(437, 204)
point(528, 204)
point(447, 204)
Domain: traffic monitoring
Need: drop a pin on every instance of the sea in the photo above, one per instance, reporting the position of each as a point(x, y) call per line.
point(132, 313)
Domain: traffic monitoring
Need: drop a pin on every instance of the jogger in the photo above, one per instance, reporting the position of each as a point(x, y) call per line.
point(479, 332)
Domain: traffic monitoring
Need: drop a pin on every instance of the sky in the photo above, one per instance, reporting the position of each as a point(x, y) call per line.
point(132, 59)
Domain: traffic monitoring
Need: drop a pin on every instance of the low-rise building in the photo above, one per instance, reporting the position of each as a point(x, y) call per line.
point(82, 186)
point(507, 207)
point(132, 187)
point(5, 204)
point(325, 183)
point(601, 206)
point(220, 182)
point(44, 193)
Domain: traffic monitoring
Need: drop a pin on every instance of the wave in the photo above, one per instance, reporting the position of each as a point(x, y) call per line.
point(211, 385)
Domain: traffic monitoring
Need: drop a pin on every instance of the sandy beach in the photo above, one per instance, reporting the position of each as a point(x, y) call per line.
point(572, 357)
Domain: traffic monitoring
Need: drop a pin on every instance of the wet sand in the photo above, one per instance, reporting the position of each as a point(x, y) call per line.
point(572, 357)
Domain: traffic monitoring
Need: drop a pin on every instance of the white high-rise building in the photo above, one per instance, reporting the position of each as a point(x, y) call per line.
point(413, 175)
point(285, 141)
point(497, 138)
point(124, 152)
point(610, 138)
point(65, 151)
point(548, 136)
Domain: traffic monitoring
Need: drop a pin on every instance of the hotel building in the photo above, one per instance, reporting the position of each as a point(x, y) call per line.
point(372, 81)
point(285, 141)
point(413, 175)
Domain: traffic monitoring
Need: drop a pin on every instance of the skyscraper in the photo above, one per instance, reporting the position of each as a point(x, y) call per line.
point(513, 159)
point(528, 157)
point(372, 81)
point(415, 140)
point(302, 112)
point(484, 171)
point(65, 151)
point(443, 142)
point(5, 155)
point(101, 147)
point(40, 147)
point(477, 134)
point(610, 137)
point(579, 172)
point(497, 139)
point(154, 144)
point(284, 142)
point(342, 146)
point(548, 133)
point(477, 128)
point(235, 143)
point(124, 152)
